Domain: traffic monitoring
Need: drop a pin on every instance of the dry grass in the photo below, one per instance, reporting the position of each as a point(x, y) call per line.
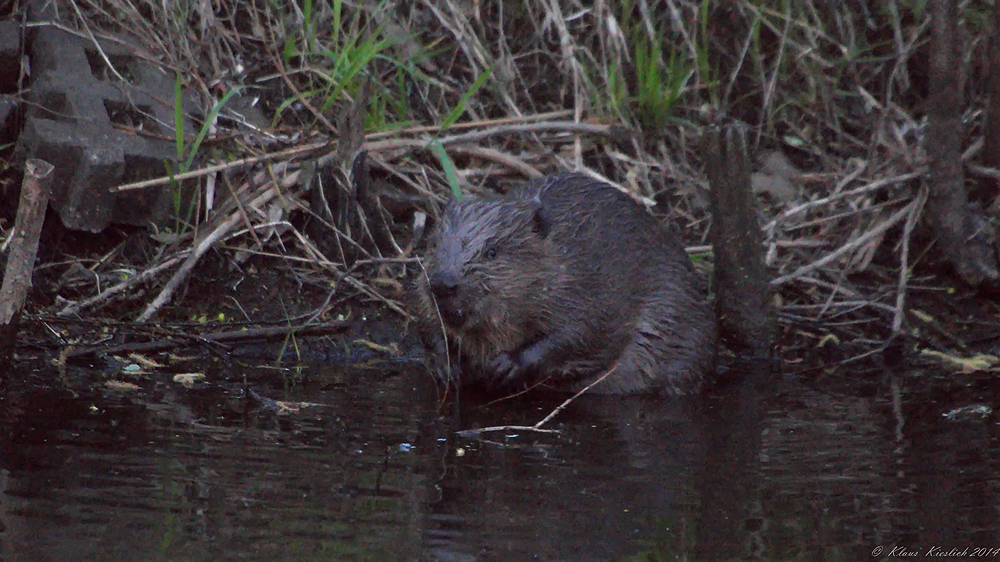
point(619, 90)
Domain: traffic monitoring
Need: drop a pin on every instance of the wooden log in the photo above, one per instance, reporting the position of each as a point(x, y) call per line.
point(23, 251)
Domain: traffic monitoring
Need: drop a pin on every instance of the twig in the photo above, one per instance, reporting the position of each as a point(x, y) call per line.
point(502, 157)
point(538, 426)
point(346, 277)
point(983, 171)
point(904, 265)
point(562, 406)
point(878, 184)
point(474, 136)
point(842, 289)
point(474, 433)
point(549, 116)
point(199, 250)
point(242, 335)
point(863, 239)
point(384, 145)
point(291, 152)
point(97, 45)
point(107, 294)
point(298, 95)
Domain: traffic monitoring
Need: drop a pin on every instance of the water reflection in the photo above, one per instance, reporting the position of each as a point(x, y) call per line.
point(638, 478)
point(167, 474)
point(769, 469)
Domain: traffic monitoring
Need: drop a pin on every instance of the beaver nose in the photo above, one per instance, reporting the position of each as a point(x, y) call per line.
point(444, 285)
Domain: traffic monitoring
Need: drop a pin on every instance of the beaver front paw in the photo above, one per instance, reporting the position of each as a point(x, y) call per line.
point(445, 366)
point(445, 369)
point(513, 366)
point(504, 369)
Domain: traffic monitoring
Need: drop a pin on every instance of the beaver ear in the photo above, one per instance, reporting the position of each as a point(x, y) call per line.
point(540, 223)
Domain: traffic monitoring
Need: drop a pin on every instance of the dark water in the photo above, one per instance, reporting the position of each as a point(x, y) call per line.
point(769, 470)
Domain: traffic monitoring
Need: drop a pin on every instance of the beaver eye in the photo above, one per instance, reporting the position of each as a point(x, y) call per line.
point(491, 253)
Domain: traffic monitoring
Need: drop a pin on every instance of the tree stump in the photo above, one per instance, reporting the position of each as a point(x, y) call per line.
point(743, 296)
point(966, 238)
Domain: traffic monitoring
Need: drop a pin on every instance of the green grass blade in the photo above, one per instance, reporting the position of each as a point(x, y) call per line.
point(450, 172)
point(208, 124)
point(289, 50)
point(310, 35)
point(459, 109)
point(335, 26)
point(179, 117)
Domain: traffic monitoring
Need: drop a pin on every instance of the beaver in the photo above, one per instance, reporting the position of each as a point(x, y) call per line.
point(560, 281)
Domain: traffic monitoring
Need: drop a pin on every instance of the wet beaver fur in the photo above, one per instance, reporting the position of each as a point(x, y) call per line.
point(558, 282)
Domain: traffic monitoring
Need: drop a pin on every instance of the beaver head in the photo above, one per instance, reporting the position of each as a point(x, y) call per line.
point(490, 269)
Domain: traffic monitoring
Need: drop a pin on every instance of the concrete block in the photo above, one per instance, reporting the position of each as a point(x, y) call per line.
point(10, 56)
point(99, 130)
point(8, 119)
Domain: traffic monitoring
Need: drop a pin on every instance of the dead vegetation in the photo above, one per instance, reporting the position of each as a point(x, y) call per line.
point(441, 96)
